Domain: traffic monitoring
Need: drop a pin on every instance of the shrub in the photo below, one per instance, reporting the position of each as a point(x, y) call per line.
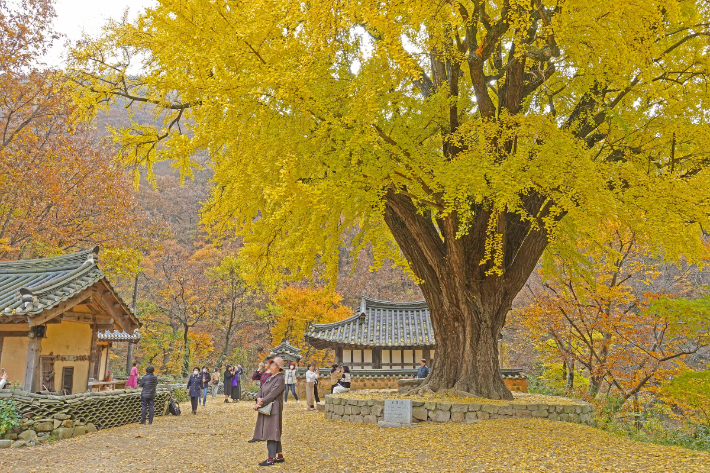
point(9, 417)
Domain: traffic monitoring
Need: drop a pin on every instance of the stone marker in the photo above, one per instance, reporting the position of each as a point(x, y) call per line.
point(397, 413)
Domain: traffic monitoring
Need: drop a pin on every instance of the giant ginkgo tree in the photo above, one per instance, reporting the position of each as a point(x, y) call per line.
point(462, 136)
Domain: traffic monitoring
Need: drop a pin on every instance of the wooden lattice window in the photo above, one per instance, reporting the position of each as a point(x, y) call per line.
point(67, 379)
point(47, 373)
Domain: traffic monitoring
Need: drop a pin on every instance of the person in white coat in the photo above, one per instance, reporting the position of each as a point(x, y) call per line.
point(311, 376)
point(290, 378)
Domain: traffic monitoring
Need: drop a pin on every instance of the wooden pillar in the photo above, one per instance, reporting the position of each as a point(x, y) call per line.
point(34, 349)
point(377, 358)
point(93, 362)
point(339, 355)
point(129, 358)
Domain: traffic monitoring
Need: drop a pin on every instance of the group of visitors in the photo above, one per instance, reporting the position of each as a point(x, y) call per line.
point(274, 385)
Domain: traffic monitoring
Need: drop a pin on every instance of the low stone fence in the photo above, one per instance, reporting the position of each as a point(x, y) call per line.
point(371, 411)
point(68, 416)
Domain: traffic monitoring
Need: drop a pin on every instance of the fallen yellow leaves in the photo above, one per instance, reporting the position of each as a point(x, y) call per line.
point(520, 398)
point(214, 440)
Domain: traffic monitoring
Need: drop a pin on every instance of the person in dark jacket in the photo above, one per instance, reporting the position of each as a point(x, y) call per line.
point(149, 383)
point(194, 387)
point(227, 383)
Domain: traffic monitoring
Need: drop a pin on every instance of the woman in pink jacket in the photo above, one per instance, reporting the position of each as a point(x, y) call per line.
point(133, 378)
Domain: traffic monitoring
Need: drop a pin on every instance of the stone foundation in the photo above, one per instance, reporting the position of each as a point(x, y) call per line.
point(371, 411)
point(380, 379)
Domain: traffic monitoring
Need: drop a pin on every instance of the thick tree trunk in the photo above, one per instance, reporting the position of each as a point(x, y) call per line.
point(468, 303)
point(186, 352)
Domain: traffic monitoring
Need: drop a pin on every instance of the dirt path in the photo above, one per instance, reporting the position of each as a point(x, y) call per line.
point(214, 440)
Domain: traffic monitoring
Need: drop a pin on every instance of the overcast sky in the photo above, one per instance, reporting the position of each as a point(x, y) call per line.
point(75, 16)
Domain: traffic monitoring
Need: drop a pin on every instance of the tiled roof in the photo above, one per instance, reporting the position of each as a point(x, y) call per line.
point(115, 335)
point(29, 287)
point(287, 351)
point(378, 324)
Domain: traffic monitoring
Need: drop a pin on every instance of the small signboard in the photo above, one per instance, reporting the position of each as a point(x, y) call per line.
point(398, 411)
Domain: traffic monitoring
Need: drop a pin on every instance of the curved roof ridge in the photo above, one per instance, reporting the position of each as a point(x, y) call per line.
point(372, 302)
point(69, 260)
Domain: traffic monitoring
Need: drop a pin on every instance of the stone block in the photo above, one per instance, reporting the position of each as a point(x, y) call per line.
point(568, 409)
point(61, 416)
point(63, 433)
point(524, 414)
point(357, 419)
point(420, 413)
point(483, 415)
point(370, 402)
point(471, 417)
point(532, 407)
point(80, 430)
point(574, 418)
point(540, 413)
point(68, 423)
point(417, 403)
point(44, 426)
point(352, 402)
point(520, 407)
point(90, 428)
point(362, 402)
point(564, 417)
point(457, 417)
point(5, 443)
point(57, 423)
point(459, 408)
point(474, 407)
point(443, 406)
point(439, 416)
point(506, 411)
point(578, 409)
point(365, 410)
point(490, 408)
point(27, 434)
point(336, 417)
point(339, 410)
point(369, 419)
point(554, 416)
point(346, 418)
point(378, 410)
point(355, 410)
point(430, 405)
point(11, 436)
point(19, 444)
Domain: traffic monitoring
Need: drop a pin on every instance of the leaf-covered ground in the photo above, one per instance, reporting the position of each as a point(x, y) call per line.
point(214, 440)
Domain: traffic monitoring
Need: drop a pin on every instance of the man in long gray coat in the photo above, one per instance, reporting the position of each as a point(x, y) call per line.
point(268, 427)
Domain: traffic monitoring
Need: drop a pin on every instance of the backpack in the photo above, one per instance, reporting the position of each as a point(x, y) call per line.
point(173, 407)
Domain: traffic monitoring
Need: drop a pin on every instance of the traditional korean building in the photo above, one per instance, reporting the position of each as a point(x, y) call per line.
point(54, 314)
point(384, 335)
point(287, 352)
point(380, 335)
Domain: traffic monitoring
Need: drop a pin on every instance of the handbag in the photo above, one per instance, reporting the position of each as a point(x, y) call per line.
point(266, 409)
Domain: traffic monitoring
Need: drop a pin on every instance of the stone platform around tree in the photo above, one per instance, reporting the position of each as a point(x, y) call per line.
point(371, 411)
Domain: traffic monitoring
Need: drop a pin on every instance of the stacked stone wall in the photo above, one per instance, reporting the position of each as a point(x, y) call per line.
point(371, 411)
point(43, 416)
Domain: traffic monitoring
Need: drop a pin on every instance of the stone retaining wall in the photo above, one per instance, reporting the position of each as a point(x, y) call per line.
point(370, 411)
point(44, 416)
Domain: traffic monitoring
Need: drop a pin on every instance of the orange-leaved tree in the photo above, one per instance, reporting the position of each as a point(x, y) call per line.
point(59, 189)
point(613, 315)
point(294, 308)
